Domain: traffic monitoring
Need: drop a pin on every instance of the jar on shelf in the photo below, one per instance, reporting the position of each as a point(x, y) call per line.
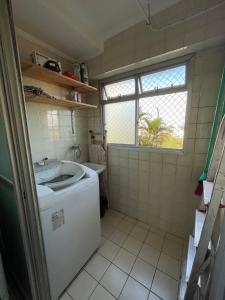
point(73, 94)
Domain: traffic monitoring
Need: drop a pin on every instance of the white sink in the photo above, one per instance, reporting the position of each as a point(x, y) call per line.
point(58, 174)
point(96, 167)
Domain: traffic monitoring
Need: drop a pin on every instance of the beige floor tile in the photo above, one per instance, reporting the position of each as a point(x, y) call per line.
point(139, 233)
point(109, 250)
point(124, 260)
point(154, 240)
point(133, 290)
point(103, 240)
point(111, 220)
point(114, 280)
point(143, 225)
point(129, 219)
point(97, 266)
point(172, 249)
point(115, 213)
point(101, 294)
point(65, 296)
point(174, 238)
point(132, 245)
point(125, 226)
point(158, 231)
point(149, 254)
point(107, 230)
point(82, 286)
point(153, 297)
point(118, 237)
point(143, 272)
point(165, 286)
point(169, 266)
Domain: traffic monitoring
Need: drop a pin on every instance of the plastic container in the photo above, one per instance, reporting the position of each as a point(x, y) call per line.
point(77, 71)
point(84, 73)
point(73, 94)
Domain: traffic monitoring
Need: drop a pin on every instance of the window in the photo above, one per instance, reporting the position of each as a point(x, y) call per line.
point(120, 123)
point(163, 79)
point(119, 89)
point(147, 110)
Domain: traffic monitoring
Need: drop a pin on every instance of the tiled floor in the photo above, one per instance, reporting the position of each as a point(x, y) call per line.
point(134, 262)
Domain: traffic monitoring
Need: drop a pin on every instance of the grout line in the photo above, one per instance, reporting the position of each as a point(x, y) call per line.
point(129, 274)
point(67, 295)
point(133, 267)
point(136, 256)
point(154, 275)
point(155, 295)
point(99, 281)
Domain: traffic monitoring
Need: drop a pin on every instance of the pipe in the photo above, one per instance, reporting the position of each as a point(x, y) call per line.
point(72, 120)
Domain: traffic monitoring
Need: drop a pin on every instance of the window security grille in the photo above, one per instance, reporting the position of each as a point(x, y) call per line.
point(119, 89)
point(163, 79)
point(147, 110)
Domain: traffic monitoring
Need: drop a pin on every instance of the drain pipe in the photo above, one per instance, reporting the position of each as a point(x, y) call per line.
point(72, 120)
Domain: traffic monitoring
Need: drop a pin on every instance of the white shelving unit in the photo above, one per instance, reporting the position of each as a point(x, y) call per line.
point(207, 191)
point(206, 247)
point(199, 221)
point(190, 257)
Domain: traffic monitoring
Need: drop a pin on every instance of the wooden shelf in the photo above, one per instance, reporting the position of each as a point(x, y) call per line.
point(65, 103)
point(37, 72)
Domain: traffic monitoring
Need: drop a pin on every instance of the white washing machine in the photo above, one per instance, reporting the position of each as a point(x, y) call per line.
point(70, 222)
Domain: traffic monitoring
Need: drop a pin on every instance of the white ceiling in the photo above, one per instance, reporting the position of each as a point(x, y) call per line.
point(78, 28)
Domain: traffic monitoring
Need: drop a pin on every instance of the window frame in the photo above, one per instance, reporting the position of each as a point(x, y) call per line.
point(115, 81)
point(163, 91)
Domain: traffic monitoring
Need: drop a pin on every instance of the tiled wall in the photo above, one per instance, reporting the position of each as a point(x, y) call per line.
point(51, 132)
point(139, 43)
point(159, 188)
point(155, 187)
point(50, 126)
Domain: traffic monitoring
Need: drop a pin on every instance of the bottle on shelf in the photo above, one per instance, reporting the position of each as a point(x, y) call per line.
point(73, 94)
point(84, 73)
point(77, 71)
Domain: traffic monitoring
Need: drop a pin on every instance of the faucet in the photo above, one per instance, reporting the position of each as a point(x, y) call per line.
point(77, 151)
point(42, 162)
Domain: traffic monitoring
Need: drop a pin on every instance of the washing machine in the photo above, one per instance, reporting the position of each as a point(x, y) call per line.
point(70, 219)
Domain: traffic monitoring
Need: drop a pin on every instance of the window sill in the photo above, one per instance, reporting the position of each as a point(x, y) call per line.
point(147, 149)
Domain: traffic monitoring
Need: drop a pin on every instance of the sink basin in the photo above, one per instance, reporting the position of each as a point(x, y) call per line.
point(96, 167)
point(58, 174)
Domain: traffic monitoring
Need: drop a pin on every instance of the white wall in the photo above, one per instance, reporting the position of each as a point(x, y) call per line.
point(154, 187)
point(158, 188)
point(49, 126)
point(51, 133)
point(140, 44)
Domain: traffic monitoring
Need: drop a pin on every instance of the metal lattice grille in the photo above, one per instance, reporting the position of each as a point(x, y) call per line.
point(162, 120)
point(119, 89)
point(156, 118)
point(172, 77)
